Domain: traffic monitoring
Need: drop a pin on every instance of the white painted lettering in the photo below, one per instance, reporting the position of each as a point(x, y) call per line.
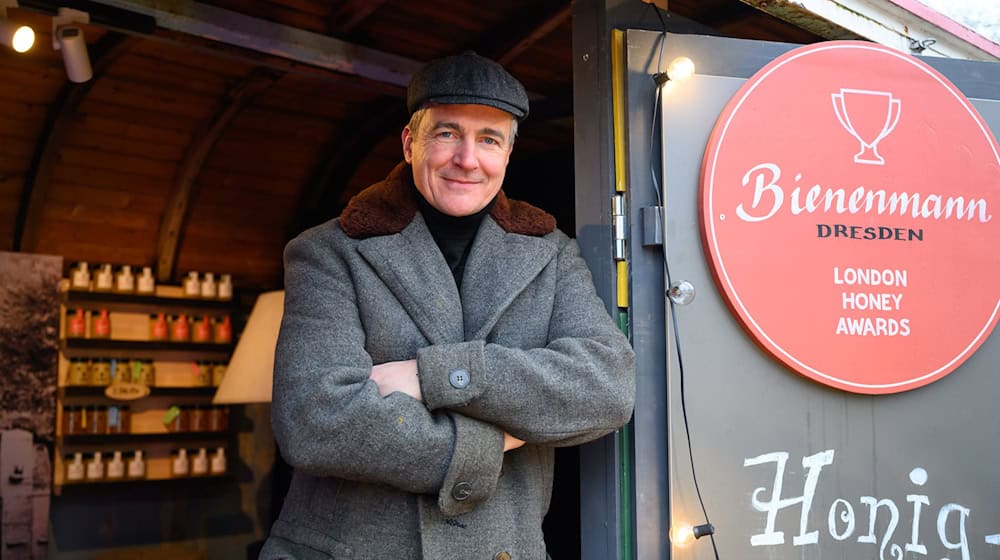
point(873, 507)
point(814, 464)
point(942, 522)
point(847, 516)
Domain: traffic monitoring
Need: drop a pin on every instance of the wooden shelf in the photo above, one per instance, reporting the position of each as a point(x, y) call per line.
point(98, 391)
point(143, 349)
point(148, 304)
point(132, 438)
point(205, 478)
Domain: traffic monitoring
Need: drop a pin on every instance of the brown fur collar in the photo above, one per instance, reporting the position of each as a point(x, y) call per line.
point(387, 207)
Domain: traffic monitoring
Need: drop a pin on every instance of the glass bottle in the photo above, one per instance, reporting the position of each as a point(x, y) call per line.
point(75, 469)
point(202, 374)
point(176, 419)
point(218, 374)
point(100, 372)
point(192, 288)
point(218, 465)
point(137, 466)
point(125, 281)
point(79, 372)
point(198, 417)
point(95, 467)
point(226, 287)
point(146, 284)
point(199, 463)
point(116, 467)
point(218, 419)
point(80, 277)
point(203, 330)
point(95, 419)
point(179, 465)
point(180, 331)
point(207, 287)
point(104, 280)
point(119, 419)
point(71, 417)
point(100, 325)
point(224, 331)
point(76, 325)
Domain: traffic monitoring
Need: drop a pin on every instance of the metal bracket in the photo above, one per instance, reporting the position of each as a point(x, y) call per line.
point(652, 225)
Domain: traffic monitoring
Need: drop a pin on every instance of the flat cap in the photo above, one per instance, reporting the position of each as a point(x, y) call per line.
point(467, 78)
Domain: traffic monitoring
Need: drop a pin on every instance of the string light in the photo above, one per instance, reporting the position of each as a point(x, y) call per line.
point(683, 534)
point(680, 69)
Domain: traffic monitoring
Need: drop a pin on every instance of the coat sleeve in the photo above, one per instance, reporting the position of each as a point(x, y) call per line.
point(328, 416)
point(579, 387)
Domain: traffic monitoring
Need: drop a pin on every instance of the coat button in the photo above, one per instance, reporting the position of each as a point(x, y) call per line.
point(502, 555)
point(461, 491)
point(459, 378)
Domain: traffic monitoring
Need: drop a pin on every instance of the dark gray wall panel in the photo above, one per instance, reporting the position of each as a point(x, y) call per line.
point(745, 408)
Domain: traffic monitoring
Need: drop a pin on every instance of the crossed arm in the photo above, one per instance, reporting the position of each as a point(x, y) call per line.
point(402, 377)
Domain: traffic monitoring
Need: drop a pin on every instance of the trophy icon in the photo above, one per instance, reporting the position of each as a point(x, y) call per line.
point(869, 116)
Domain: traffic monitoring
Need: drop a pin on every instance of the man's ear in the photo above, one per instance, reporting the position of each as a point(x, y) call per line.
point(407, 138)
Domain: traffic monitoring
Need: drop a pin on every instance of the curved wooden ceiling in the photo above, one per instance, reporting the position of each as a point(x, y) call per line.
point(187, 154)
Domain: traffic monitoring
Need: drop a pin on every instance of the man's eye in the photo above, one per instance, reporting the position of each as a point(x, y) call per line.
point(445, 134)
point(492, 141)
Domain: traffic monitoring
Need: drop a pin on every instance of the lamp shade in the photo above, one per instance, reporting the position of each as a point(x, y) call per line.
point(249, 375)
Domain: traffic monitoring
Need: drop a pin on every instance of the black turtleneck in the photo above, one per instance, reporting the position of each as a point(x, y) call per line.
point(453, 234)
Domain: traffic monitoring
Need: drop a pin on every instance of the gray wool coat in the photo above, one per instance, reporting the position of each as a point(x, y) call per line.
point(526, 347)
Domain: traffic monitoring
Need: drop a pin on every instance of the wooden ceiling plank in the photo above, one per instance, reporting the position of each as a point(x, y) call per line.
point(210, 22)
point(174, 217)
point(350, 14)
point(60, 118)
point(535, 33)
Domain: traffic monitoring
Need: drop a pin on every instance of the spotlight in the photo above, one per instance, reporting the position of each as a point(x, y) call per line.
point(68, 38)
point(18, 37)
point(74, 51)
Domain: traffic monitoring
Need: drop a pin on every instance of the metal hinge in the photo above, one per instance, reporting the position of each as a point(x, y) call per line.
point(618, 222)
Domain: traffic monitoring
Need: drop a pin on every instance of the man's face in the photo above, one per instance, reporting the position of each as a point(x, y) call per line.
point(459, 156)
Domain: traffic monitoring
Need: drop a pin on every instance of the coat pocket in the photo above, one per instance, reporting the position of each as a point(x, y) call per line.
point(290, 542)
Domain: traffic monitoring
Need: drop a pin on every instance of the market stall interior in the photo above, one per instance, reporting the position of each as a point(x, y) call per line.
point(203, 136)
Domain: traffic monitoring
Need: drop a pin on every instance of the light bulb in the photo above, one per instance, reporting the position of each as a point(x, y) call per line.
point(680, 69)
point(24, 39)
point(682, 535)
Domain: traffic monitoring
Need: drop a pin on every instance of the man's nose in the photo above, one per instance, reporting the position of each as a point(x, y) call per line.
point(465, 155)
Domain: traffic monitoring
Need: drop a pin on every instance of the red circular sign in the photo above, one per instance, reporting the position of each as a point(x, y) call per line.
point(847, 206)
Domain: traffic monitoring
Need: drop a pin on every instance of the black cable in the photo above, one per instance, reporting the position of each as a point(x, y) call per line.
point(666, 272)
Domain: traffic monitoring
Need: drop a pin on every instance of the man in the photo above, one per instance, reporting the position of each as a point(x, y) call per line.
point(438, 341)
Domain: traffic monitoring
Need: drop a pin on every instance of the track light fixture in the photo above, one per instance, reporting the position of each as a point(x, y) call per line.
point(18, 37)
point(67, 36)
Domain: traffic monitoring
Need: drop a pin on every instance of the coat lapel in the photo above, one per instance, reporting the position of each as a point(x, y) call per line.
point(499, 267)
point(412, 267)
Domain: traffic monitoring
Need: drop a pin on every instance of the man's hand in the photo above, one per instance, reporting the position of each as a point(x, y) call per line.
point(510, 442)
point(397, 376)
